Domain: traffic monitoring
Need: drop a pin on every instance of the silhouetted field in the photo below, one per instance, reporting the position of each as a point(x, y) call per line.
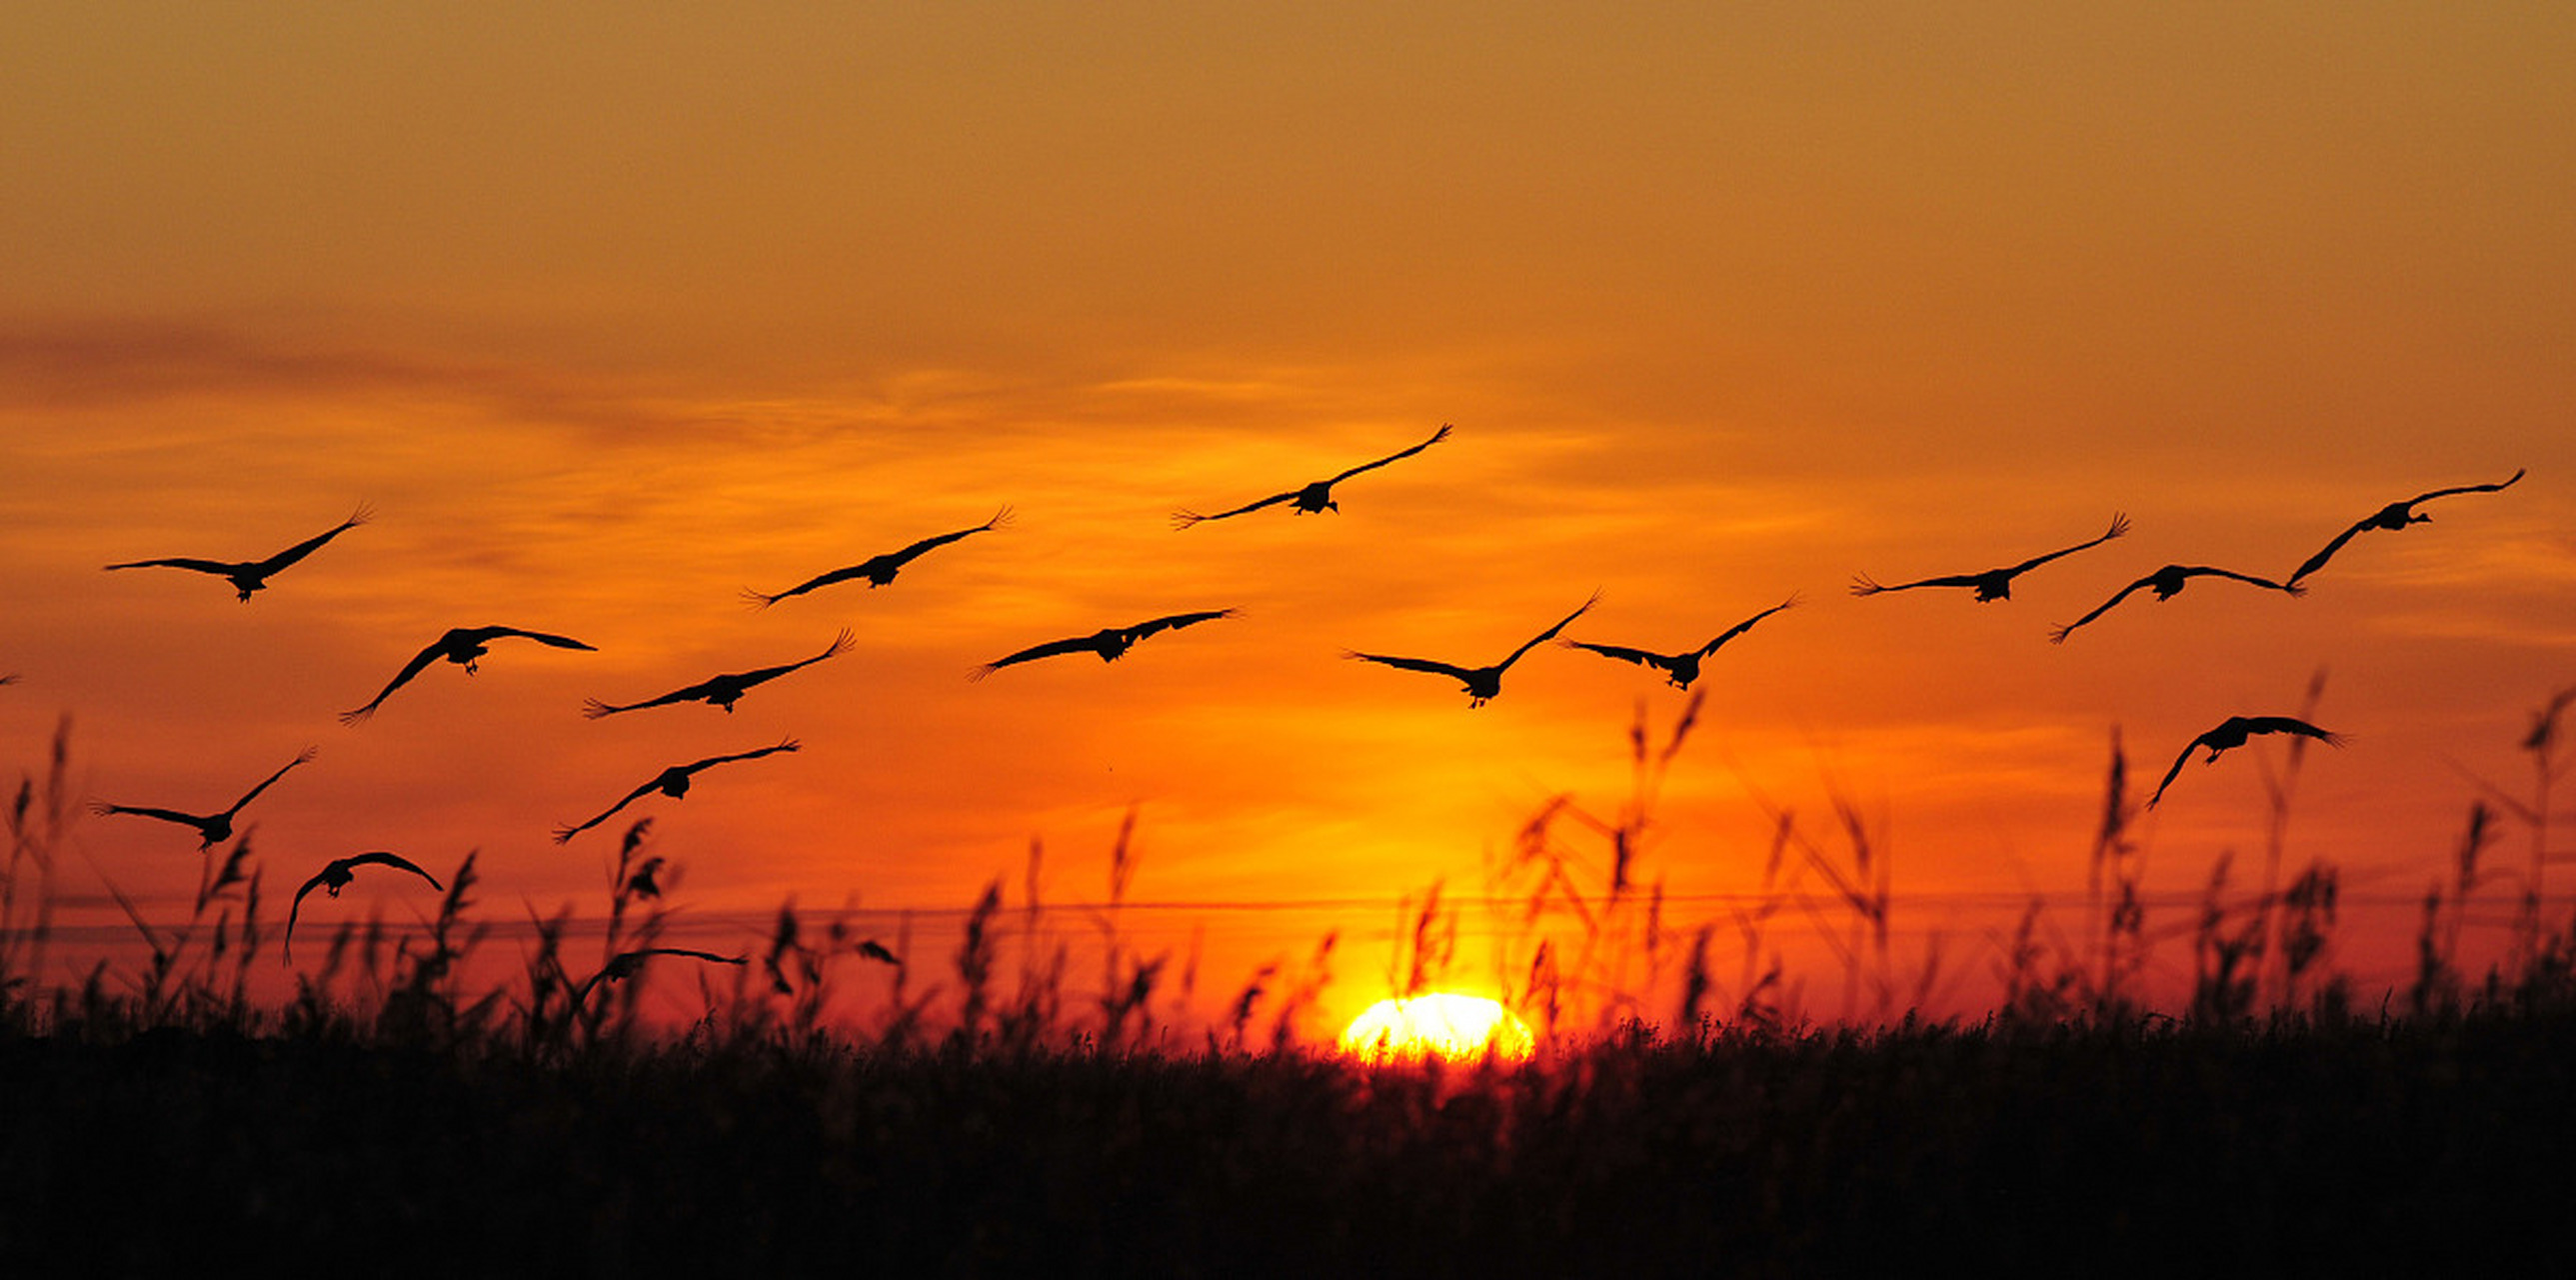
point(2299, 1147)
point(390, 1118)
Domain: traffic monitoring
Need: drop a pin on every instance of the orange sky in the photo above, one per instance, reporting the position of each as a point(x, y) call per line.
point(610, 316)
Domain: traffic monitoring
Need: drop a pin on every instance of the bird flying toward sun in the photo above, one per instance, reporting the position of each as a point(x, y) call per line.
point(2232, 733)
point(2168, 582)
point(1678, 668)
point(878, 570)
point(1108, 642)
point(213, 828)
point(1482, 683)
point(672, 782)
point(335, 876)
point(2393, 517)
point(1993, 584)
point(248, 576)
point(720, 691)
point(464, 646)
point(1315, 497)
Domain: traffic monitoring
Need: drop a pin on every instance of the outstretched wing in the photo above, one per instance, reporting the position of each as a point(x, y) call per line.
point(2208, 571)
point(2318, 561)
point(104, 810)
point(394, 860)
point(684, 951)
point(712, 761)
point(2059, 635)
point(488, 634)
point(302, 757)
point(1549, 634)
point(906, 556)
point(286, 950)
point(1052, 648)
point(2119, 526)
point(1413, 664)
point(625, 963)
point(419, 662)
point(1184, 519)
point(565, 834)
point(763, 599)
point(2471, 488)
point(2291, 724)
point(1436, 437)
point(593, 708)
point(1175, 621)
point(2176, 770)
point(217, 567)
point(1621, 652)
point(1744, 626)
point(1864, 585)
point(309, 545)
point(840, 644)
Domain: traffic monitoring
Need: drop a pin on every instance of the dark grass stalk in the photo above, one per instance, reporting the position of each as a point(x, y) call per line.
point(1039, 1005)
point(2546, 771)
point(975, 954)
point(2226, 970)
point(2271, 968)
point(39, 820)
point(1618, 949)
point(2111, 886)
point(1625, 948)
point(1128, 981)
point(423, 1006)
point(1304, 992)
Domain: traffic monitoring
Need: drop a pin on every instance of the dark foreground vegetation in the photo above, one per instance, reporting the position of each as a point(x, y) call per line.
point(2289, 1148)
point(388, 1118)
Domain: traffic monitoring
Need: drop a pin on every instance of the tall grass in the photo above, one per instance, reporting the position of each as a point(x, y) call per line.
point(845, 1101)
point(1581, 940)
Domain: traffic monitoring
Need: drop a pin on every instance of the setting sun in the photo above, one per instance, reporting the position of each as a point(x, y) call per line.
point(1442, 1024)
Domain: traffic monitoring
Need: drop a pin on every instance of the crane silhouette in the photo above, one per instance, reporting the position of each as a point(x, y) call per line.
point(1993, 584)
point(721, 691)
point(878, 570)
point(2393, 517)
point(672, 782)
point(2232, 733)
point(2168, 582)
point(1678, 668)
point(1108, 642)
point(624, 965)
point(1313, 498)
point(335, 876)
point(1482, 683)
point(212, 828)
point(464, 646)
point(248, 576)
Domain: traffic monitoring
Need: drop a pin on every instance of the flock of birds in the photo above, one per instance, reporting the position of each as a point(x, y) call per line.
point(466, 646)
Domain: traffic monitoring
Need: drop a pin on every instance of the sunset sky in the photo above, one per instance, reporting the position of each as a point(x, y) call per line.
point(611, 312)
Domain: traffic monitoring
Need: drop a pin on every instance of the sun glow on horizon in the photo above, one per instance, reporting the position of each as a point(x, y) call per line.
point(1442, 1024)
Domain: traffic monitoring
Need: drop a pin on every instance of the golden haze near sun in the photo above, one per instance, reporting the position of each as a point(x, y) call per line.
point(610, 317)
